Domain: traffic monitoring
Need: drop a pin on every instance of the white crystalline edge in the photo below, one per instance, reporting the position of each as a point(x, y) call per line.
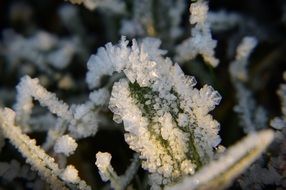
point(106, 61)
point(119, 58)
point(144, 64)
point(258, 141)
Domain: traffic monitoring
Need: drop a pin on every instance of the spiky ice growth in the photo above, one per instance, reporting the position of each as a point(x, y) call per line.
point(166, 119)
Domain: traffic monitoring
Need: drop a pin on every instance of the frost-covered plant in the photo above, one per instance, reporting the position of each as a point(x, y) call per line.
point(166, 118)
point(81, 119)
point(37, 158)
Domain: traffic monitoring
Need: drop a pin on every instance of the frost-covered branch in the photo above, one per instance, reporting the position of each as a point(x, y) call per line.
point(200, 42)
point(81, 120)
point(37, 158)
point(252, 116)
point(30, 88)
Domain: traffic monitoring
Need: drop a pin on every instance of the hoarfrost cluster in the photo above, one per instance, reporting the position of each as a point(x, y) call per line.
point(131, 111)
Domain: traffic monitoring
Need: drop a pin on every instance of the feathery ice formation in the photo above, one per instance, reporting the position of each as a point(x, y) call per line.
point(166, 119)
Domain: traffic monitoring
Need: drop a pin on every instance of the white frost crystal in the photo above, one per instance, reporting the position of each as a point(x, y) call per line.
point(82, 118)
point(70, 174)
point(165, 118)
point(201, 41)
point(103, 63)
point(65, 144)
point(30, 88)
point(103, 163)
